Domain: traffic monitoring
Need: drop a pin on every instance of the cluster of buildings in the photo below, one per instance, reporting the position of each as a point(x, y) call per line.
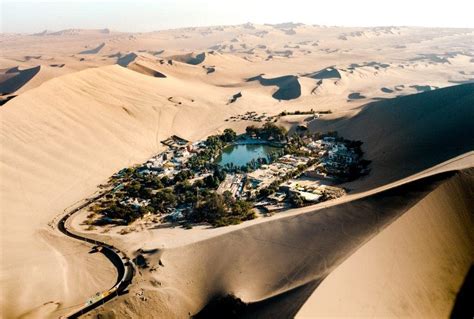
point(170, 162)
point(135, 202)
point(336, 157)
point(309, 190)
point(312, 191)
point(267, 174)
point(234, 183)
point(330, 153)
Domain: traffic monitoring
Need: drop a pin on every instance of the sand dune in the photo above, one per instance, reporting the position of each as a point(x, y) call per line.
point(268, 263)
point(94, 50)
point(289, 87)
point(59, 142)
point(75, 32)
point(355, 96)
point(146, 70)
point(28, 125)
point(126, 59)
point(422, 258)
point(386, 90)
point(67, 43)
point(439, 119)
point(139, 64)
point(328, 73)
point(277, 264)
point(69, 128)
point(13, 79)
point(191, 58)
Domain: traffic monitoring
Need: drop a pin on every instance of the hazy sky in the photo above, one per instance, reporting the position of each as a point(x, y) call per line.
point(148, 15)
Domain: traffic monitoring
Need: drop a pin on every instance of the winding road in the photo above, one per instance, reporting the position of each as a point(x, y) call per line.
point(125, 268)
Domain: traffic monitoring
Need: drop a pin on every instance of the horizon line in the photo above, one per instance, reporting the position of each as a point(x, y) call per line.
point(232, 25)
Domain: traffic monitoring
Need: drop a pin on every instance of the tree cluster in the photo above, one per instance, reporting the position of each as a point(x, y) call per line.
point(221, 210)
point(267, 131)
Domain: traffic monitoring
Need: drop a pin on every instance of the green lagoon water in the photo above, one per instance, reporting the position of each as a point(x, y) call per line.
point(241, 154)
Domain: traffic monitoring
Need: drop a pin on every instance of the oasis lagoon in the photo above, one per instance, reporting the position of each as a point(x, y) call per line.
point(238, 155)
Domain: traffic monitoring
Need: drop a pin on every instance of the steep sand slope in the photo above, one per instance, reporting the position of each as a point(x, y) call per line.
point(413, 268)
point(65, 137)
point(409, 133)
point(13, 79)
point(58, 142)
point(268, 259)
point(276, 264)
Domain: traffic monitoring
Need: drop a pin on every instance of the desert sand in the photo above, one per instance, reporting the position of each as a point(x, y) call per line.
point(78, 105)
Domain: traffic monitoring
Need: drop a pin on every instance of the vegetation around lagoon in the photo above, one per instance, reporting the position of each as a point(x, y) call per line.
point(161, 195)
point(192, 193)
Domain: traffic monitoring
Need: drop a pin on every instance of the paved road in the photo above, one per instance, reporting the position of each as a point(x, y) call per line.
point(125, 269)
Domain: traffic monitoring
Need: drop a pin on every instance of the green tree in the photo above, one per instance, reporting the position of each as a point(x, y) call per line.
point(296, 200)
point(229, 135)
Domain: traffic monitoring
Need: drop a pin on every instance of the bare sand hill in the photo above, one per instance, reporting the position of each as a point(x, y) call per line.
point(411, 133)
point(13, 79)
point(65, 141)
point(413, 268)
point(263, 262)
point(405, 57)
point(276, 265)
point(82, 117)
point(59, 142)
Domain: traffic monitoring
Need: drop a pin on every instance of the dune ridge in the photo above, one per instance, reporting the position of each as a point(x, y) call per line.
point(428, 250)
point(13, 79)
point(289, 87)
point(280, 262)
point(190, 58)
point(438, 119)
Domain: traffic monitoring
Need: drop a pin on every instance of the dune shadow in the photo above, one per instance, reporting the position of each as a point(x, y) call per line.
point(328, 73)
point(126, 59)
point(463, 305)
point(289, 87)
point(190, 58)
point(422, 88)
point(94, 50)
point(355, 96)
point(6, 99)
point(421, 122)
point(17, 79)
point(284, 305)
point(330, 236)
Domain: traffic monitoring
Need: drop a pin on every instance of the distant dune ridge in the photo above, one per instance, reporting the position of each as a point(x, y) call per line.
point(13, 79)
point(88, 103)
point(94, 50)
point(191, 58)
point(288, 86)
point(139, 64)
point(126, 59)
point(328, 73)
